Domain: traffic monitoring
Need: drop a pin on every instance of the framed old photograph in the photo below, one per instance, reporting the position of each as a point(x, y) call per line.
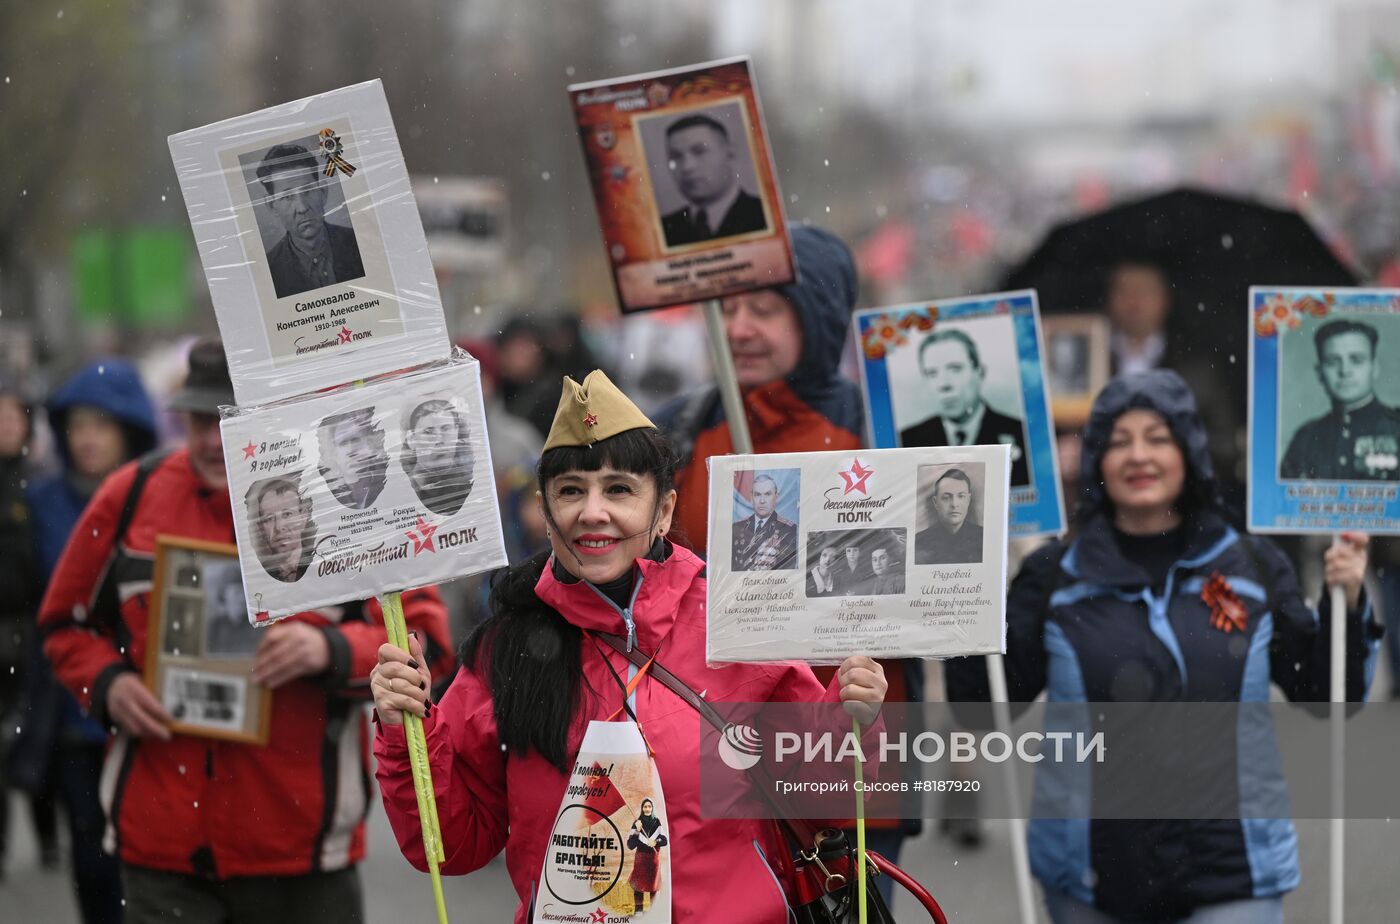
point(1076, 365)
point(1324, 410)
point(967, 372)
point(687, 196)
point(200, 643)
point(314, 251)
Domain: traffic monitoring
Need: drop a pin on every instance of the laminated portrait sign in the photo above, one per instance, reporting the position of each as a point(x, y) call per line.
point(687, 196)
point(311, 242)
point(609, 853)
point(967, 372)
point(1324, 410)
point(817, 556)
point(360, 491)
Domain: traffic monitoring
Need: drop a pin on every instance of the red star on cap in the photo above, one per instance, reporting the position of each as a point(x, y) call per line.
point(591, 420)
point(345, 334)
point(250, 450)
point(856, 477)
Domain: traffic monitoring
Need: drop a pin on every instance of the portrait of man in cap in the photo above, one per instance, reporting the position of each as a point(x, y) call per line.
point(284, 533)
point(437, 456)
point(354, 463)
point(311, 252)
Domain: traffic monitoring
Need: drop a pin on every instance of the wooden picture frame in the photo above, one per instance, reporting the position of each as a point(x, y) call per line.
point(200, 644)
point(1076, 365)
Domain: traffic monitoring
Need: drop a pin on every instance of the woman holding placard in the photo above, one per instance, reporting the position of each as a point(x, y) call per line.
point(1158, 599)
point(545, 709)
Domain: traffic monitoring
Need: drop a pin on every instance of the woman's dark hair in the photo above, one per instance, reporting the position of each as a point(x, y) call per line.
point(530, 655)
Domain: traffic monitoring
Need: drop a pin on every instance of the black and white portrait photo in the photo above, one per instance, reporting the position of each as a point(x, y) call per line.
point(850, 562)
point(950, 514)
point(1337, 409)
point(437, 455)
point(702, 174)
point(957, 397)
point(284, 533)
point(765, 520)
point(354, 462)
point(307, 235)
point(227, 631)
point(183, 617)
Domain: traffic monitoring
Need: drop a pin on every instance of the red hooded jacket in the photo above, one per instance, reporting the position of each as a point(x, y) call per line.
point(489, 800)
point(198, 805)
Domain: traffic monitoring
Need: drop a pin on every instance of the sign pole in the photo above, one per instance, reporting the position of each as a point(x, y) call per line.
point(1020, 860)
point(392, 605)
point(1337, 868)
point(727, 379)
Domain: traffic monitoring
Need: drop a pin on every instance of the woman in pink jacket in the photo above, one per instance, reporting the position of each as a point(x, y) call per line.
point(503, 739)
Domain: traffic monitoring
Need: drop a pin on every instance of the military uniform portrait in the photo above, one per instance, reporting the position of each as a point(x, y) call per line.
point(962, 392)
point(1345, 425)
point(764, 537)
point(307, 234)
point(702, 174)
point(950, 514)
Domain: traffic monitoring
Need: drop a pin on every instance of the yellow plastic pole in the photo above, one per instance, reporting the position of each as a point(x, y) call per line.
point(860, 827)
point(392, 605)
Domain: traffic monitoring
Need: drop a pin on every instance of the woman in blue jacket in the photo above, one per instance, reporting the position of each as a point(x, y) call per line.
point(1121, 614)
point(101, 418)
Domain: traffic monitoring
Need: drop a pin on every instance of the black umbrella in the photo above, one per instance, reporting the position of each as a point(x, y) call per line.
point(1211, 247)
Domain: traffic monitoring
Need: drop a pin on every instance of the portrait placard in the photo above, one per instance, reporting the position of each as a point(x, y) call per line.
point(1077, 361)
point(967, 372)
point(687, 196)
point(1324, 410)
point(816, 556)
point(356, 492)
point(312, 244)
point(200, 645)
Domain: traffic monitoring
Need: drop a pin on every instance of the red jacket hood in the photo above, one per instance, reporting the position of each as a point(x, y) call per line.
point(663, 584)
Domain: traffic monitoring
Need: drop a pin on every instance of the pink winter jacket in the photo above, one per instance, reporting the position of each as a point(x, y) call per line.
point(489, 800)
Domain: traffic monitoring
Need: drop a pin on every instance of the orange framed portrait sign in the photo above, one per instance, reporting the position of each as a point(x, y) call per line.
point(200, 644)
point(687, 196)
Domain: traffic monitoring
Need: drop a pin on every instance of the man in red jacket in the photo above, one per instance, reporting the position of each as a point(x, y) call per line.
point(209, 830)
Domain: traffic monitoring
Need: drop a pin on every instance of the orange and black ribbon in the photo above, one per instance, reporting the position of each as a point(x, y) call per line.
point(333, 149)
point(1227, 612)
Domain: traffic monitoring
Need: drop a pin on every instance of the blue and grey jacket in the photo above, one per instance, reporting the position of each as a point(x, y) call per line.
point(1085, 624)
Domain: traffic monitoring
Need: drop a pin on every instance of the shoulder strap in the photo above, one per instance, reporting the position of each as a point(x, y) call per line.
point(144, 468)
point(793, 830)
point(659, 671)
point(106, 608)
